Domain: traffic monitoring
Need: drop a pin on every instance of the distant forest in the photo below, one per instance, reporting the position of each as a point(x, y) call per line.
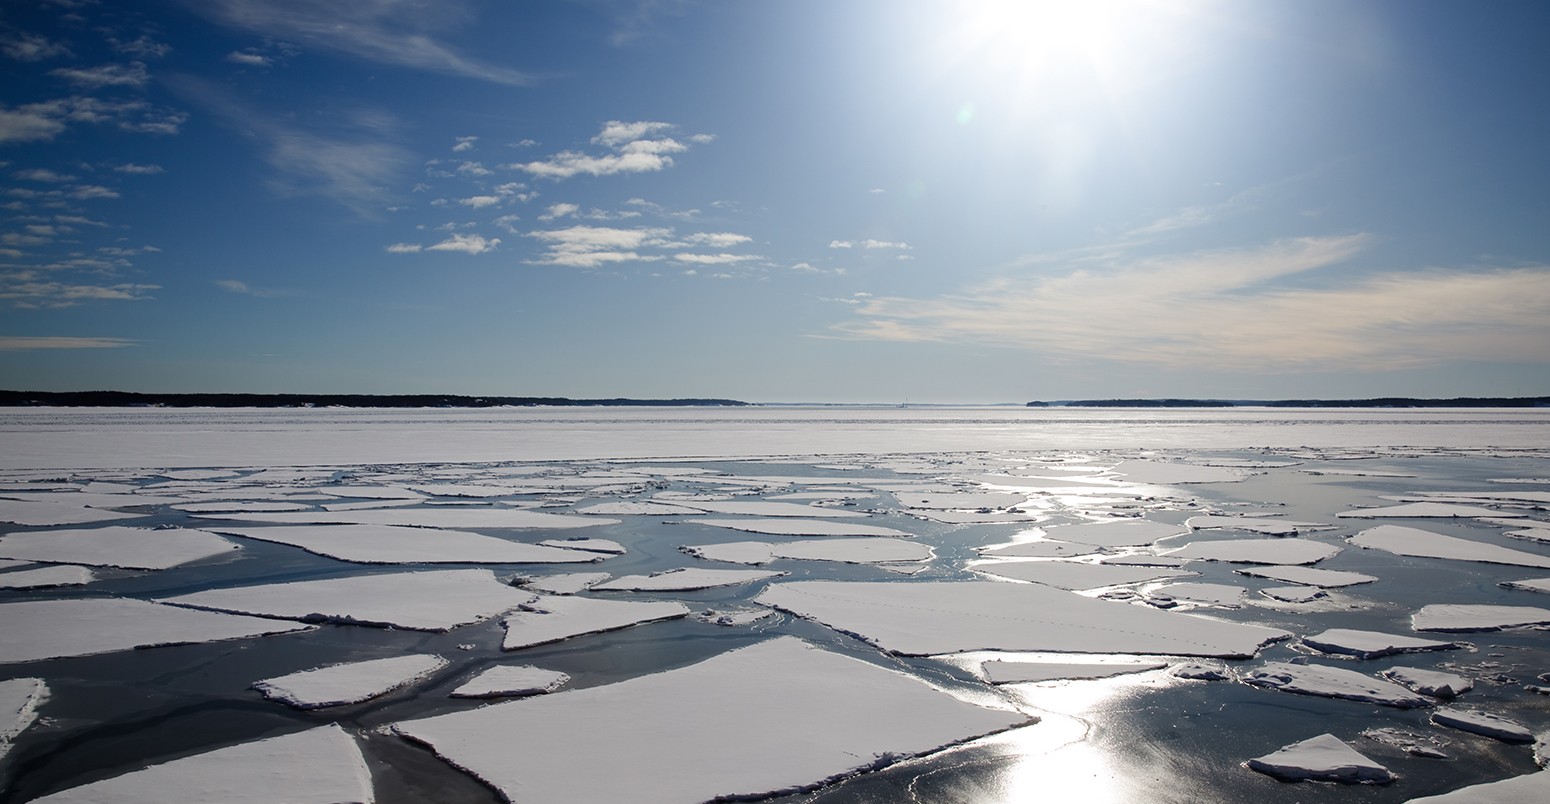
point(1381, 402)
point(126, 399)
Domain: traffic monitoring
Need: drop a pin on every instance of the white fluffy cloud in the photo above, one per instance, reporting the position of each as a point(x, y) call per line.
point(466, 243)
point(639, 147)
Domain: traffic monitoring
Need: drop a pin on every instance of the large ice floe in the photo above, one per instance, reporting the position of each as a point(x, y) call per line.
point(1269, 527)
point(1463, 617)
point(1008, 672)
point(1332, 682)
point(1530, 788)
point(44, 513)
point(1323, 758)
point(551, 619)
point(443, 517)
point(322, 765)
point(924, 618)
point(1077, 575)
point(116, 546)
point(1426, 544)
point(1309, 576)
point(1371, 644)
point(46, 629)
point(1117, 533)
point(45, 577)
point(352, 682)
point(1483, 723)
point(800, 527)
point(1257, 551)
point(743, 721)
point(435, 600)
point(397, 544)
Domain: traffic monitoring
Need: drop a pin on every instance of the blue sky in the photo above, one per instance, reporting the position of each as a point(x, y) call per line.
point(802, 200)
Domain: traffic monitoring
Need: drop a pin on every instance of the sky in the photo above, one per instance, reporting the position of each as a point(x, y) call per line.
point(980, 201)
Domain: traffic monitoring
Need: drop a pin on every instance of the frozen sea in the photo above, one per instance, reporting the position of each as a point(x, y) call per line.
point(889, 547)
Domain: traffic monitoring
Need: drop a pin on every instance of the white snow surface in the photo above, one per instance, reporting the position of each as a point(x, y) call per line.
point(1308, 576)
point(1483, 723)
point(1332, 682)
point(744, 719)
point(19, 702)
point(1043, 548)
point(116, 546)
point(1167, 474)
point(1422, 510)
point(396, 544)
point(47, 629)
point(565, 584)
point(1371, 644)
point(432, 600)
point(508, 680)
point(848, 551)
point(318, 766)
point(1217, 594)
point(924, 618)
point(800, 527)
point(1530, 788)
point(1076, 575)
point(1257, 551)
point(1119, 533)
point(606, 546)
point(947, 500)
point(443, 517)
point(1322, 758)
point(684, 579)
point(1405, 541)
point(636, 508)
point(1007, 672)
point(764, 508)
point(349, 683)
point(1476, 617)
point(1527, 585)
point(551, 619)
point(1430, 682)
point(1269, 527)
point(42, 577)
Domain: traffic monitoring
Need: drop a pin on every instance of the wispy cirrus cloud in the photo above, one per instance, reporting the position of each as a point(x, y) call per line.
point(29, 343)
point(241, 288)
point(397, 32)
point(1251, 310)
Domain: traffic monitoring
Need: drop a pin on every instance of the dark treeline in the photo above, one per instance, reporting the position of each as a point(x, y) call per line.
point(123, 399)
point(1380, 402)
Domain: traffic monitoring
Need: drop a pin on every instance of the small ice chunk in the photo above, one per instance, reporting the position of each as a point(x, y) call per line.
point(1269, 527)
point(1422, 509)
point(566, 584)
point(1196, 671)
point(318, 766)
point(800, 527)
point(1004, 672)
point(1483, 723)
point(44, 577)
point(734, 617)
point(19, 702)
point(1323, 758)
point(1308, 576)
point(1076, 575)
point(922, 618)
point(505, 681)
point(1425, 544)
point(1430, 682)
point(49, 629)
point(1415, 744)
point(551, 619)
point(1530, 788)
point(1257, 551)
point(396, 544)
point(348, 683)
point(116, 546)
point(608, 546)
point(684, 579)
point(1332, 682)
point(434, 600)
point(1120, 533)
point(1294, 594)
point(1371, 644)
point(1476, 617)
point(766, 698)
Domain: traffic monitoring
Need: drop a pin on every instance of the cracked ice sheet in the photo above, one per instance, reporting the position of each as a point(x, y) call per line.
point(49, 629)
point(393, 544)
point(551, 619)
point(353, 682)
point(455, 517)
point(1405, 541)
point(848, 551)
point(435, 600)
point(318, 766)
point(116, 546)
point(1332, 682)
point(1257, 551)
point(926, 618)
point(798, 527)
point(745, 718)
point(1076, 575)
point(684, 579)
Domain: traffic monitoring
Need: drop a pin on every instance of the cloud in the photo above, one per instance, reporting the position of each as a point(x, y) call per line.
point(467, 244)
point(591, 246)
point(717, 239)
point(248, 58)
point(1230, 310)
point(715, 259)
point(36, 122)
point(397, 32)
point(142, 170)
point(883, 244)
point(43, 175)
point(480, 201)
point(21, 343)
point(145, 47)
point(464, 144)
point(23, 290)
point(31, 47)
point(841, 244)
point(404, 248)
point(630, 148)
point(132, 74)
point(243, 288)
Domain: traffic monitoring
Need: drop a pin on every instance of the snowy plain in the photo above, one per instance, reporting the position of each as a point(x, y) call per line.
point(1082, 604)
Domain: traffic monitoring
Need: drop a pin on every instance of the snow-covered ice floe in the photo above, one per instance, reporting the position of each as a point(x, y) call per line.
point(1527, 585)
point(684, 579)
point(352, 682)
point(1332, 682)
point(434, 600)
point(1323, 758)
point(569, 583)
point(397, 544)
point(1163, 473)
point(1371, 644)
point(1485, 724)
point(318, 766)
point(19, 702)
point(1077, 575)
point(1119, 533)
point(1430, 682)
point(1269, 527)
point(45, 577)
point(1044, 548)
point(1426, 544)
point(605, 546)
point(1422, 509)
point(1462, 617)
point(925, 618)
point(800, 527)
point(116, 546)
point(1257, 551)
point(443, 517)
point(1530, 788)
point(1308, 576)
point(511, 681)
point(40, 513)
point(848, 551)
point(551, 619)
point(1008, 672)
point(49, 629)
point(745, 719)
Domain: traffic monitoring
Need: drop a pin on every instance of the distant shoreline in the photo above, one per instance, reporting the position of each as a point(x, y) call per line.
point(126, 399)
